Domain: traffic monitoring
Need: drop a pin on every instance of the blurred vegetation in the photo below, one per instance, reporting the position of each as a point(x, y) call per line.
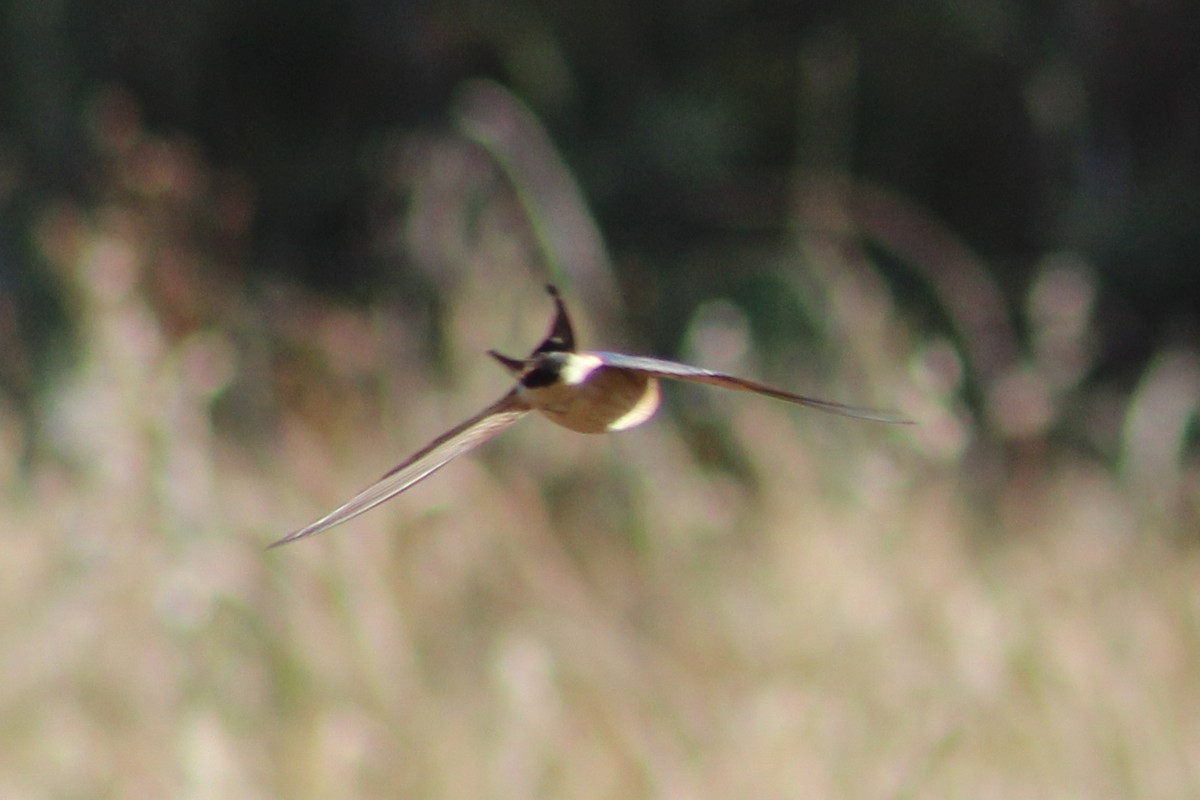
point(251, 256)
point(1027, 129)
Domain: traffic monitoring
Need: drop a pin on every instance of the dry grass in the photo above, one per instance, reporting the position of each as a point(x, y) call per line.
point(859, 612)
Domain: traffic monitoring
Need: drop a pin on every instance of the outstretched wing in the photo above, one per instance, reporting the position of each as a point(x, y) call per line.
point(670, 369)
point(420, 465)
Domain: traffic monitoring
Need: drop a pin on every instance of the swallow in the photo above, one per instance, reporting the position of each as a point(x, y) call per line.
point(586, 392)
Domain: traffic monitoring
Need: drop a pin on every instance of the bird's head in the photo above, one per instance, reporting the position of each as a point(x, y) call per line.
point(549, 368)
point(554, 360)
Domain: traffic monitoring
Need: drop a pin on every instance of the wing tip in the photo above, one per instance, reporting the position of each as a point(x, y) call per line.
point(321, 525)
point(886, 417)
point(291, 537)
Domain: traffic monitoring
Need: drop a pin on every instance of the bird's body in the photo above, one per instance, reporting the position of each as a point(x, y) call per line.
point(580, 393)
point(586, 392)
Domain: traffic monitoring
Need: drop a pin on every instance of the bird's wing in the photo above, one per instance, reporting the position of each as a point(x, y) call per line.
point(435, 455)
point(561, 338)
point(671, 369)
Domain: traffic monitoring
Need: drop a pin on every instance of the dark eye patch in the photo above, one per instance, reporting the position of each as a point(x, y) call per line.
point(540, 376)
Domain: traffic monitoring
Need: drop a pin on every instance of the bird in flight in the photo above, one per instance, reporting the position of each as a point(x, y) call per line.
point(585, 391)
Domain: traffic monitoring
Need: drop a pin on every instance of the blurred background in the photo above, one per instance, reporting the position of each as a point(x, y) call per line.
point(251, 256)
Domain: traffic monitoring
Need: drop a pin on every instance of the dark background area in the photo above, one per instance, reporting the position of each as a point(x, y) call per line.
point(1026, 128)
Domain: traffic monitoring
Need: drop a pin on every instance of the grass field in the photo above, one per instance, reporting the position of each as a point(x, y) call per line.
point(738, 600)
